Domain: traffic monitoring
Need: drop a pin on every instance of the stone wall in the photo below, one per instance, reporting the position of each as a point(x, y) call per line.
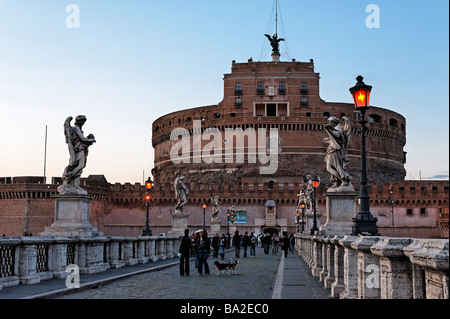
point(29, 260)
point(378, 267)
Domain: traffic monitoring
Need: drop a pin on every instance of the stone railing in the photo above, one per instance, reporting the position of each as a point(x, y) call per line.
point(28, 260)
point(378, 267)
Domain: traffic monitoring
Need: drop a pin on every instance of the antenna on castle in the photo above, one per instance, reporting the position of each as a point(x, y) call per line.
point(274, 40)
point(45, 155)
point(276, 17)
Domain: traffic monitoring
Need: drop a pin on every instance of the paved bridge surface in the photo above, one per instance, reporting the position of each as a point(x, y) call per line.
point(266, 276)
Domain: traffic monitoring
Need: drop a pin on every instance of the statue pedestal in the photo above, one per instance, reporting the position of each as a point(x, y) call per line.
point(71, 217)
point(179, 223)
point(275, 57)
point(215, 227)
point(341, 208)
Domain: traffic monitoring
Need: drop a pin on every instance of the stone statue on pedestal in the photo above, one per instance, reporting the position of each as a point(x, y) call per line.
point(232, 215)
point(216, 209)
point(182, 193)
point(78, 146)
point(336, 156)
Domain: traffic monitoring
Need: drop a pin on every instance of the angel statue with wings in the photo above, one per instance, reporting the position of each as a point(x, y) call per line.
point(78, 146)
point(336, 156)
point(274, 42)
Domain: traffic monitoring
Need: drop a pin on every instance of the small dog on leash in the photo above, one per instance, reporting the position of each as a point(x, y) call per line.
point(233, 266)
point(226, 267)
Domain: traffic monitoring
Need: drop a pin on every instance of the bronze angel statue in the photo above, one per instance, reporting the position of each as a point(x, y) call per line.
point(274, 42)
point(336, 156)
point(78, 146)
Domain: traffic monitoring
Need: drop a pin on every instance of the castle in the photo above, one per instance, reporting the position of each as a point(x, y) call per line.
point(253, 150)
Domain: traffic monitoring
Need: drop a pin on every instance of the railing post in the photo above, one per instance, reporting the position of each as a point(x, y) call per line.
point(162, 248)
point(431, 263)
point(395, 268)
point(338, 285)
point(324, 272)
point(350, 269)
point(329, 278)
point(368, 268)
point(27, 262)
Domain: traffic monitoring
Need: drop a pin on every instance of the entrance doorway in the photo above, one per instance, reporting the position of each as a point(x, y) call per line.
point(271, 231)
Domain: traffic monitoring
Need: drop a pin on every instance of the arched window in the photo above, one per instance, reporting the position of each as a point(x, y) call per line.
point(393, 122)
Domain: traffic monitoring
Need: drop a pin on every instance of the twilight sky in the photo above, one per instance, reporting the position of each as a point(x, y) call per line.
point(123, 64)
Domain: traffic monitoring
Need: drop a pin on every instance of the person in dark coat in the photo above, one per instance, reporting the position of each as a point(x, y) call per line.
point(215, 245)
point(202, 246)
point(236, 243)
point(285, 243)
point(185, 253)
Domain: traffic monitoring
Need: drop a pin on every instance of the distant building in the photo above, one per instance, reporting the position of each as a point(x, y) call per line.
point(258, 97)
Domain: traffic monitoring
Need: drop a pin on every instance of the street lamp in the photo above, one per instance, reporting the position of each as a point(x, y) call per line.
point(364, 222)
point(315, 183)
point(228, 221)
point(392, 210)
point(204, 212)
point(148, 186)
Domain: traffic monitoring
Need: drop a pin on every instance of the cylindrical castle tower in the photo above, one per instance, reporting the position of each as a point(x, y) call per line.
point(269, 127)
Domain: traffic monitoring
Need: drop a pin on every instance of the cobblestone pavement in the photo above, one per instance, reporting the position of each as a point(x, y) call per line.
point(254, 280)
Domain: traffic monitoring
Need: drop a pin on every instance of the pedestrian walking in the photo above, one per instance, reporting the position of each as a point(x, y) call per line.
point(285, 243)
point(222, 245)
point(202, 246)
point(215, 245)
point(245, 243)
point(237, 243)
point(292, 243)
point(253, 241)
point(267, 241)
point(185, 253)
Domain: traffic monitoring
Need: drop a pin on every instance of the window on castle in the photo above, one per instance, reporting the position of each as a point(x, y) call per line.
point(271, 109)
point(282, 88)
point(304, 101)
point(423, 211)
point(409, 212)
point(260, 88)
point(238, 88)
point(303, 87)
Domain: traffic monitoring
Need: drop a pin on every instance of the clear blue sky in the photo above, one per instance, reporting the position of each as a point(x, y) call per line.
point(130, 62)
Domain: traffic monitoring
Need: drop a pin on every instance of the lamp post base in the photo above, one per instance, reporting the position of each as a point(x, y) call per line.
point(147, 232)
point(365, 223)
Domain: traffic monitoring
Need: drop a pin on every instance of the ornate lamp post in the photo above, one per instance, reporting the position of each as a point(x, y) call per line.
point(391, 200)
point(228, 222)
point(204, 213)
point(315, 184)
point(364, 222)
point(148, 186)
point(297, 219)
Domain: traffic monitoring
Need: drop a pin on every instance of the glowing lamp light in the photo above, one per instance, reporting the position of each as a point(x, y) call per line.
point(302, 205)
point(204, 205)
point(148, 184)
point(315, 182)
point(147, 198)
point(361, 93)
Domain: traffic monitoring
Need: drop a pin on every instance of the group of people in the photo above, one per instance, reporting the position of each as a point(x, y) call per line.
point(199, 245)
point(287, 243)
